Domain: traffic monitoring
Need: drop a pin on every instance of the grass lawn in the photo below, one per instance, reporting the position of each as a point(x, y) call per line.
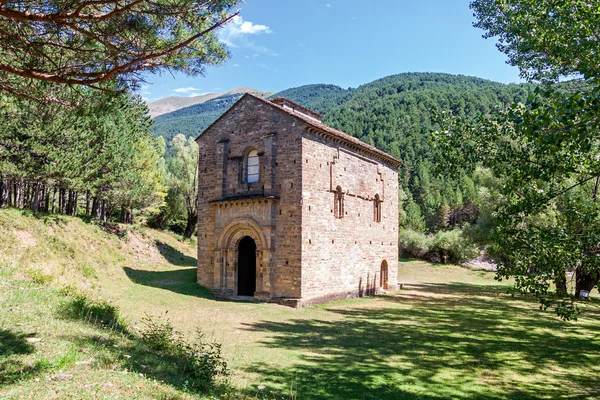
point(450, 333)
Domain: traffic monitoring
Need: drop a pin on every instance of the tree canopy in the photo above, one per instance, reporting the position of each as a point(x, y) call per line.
point(545, 151)
point(88, 43)
point(546, 39)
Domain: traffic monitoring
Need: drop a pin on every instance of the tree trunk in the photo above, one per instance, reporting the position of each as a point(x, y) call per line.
point(69, 210)
point(34, 204)
point(54, 198)
point(87, 204)
point(5, 193)
point(74, 203)
point(103, 210)
point(560, 281)
point(192, 220)
point(18, 194)
point(47, 199)
point(585, 281)
point(63, 201)
point(26, 195)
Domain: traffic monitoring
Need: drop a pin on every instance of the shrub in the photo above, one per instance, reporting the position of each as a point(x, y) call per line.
point(413, 244)
point(200, 363)
point(95, 312)
point(453, 246)
point(446, 246)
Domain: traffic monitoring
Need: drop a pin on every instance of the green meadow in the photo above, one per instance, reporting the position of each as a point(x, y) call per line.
point(450, 333)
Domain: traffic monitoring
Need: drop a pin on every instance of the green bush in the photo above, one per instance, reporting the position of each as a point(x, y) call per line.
point(413, 244)
point(453, 246)
point(200, 363)
point(95, 312)
point(446, 246)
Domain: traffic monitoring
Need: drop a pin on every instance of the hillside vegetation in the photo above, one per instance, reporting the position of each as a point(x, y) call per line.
point(450, 333)
point(393, 114)
point(191, 121)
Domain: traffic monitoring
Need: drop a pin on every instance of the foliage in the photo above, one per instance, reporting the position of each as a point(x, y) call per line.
point(445, 246)
point(180, 212)
point(199, 363)
point(545, 151)
point(453, 246)
point(320, 98)
point(94, 311)
point(87, 43)
point(101, 149)
point(546, 39)
point(413, 244)
point(390, 113)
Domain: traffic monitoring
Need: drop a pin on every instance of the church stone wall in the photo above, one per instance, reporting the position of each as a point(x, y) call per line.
point(342, 257)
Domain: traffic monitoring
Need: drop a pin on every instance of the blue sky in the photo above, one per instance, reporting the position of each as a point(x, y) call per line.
point(278, 44)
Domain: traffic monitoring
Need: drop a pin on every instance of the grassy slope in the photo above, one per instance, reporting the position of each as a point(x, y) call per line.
point(451, 333)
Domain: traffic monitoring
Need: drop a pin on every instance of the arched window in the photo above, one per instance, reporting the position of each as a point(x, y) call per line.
point(377, 209)
point(251, 167)
point(338, 205)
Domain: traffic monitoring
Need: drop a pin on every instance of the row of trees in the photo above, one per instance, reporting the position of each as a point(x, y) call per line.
point(99, 155)
point(98, 159)
point(71, 140)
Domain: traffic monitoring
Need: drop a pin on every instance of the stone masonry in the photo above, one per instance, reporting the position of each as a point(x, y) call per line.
point(323, 213)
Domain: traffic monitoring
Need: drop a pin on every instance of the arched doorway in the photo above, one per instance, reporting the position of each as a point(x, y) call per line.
point(383, 275)
point(246, 271)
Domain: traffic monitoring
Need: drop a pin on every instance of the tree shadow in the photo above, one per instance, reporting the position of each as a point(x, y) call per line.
point(438, 341)
point(15, 344)
point(182, 281)
point(174, 256)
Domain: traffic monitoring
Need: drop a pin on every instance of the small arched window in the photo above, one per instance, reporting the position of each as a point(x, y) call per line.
point(377, 209)
point(338, 205)
point(251, 167)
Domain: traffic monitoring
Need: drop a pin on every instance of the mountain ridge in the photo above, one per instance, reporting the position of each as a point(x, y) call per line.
point(169, 104)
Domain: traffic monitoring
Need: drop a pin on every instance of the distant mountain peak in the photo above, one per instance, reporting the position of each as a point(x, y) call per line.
point(169, 104)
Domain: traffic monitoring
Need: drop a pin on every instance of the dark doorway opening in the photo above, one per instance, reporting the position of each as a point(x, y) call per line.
point(246, 273)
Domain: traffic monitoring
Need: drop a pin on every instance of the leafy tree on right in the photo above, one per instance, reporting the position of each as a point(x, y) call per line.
point(546, 152)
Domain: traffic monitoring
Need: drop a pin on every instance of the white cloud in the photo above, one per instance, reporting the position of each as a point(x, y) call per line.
point(237, 33)
point(197, 94)
point(186, 90)
point(327, 5)
point(238, 27)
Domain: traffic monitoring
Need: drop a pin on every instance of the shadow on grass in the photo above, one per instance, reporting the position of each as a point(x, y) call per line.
point(11, 368)
point(14, 343)
point(174, 256)
point(437, 341)
point(182, 281)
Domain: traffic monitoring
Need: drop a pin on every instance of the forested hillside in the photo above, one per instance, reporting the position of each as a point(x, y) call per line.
point(320, 98)
point(394, 114)
point(191, 121)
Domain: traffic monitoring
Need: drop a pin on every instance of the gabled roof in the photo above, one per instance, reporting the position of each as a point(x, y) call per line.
point(312, 119)
point(282, 101)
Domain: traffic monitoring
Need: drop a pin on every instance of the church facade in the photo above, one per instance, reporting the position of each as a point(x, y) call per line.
point(291, 210)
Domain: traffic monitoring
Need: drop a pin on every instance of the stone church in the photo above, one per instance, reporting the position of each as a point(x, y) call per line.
point(291, 210)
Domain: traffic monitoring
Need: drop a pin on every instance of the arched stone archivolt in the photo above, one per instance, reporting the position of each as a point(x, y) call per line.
point(226, 258)
point(237, 229)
